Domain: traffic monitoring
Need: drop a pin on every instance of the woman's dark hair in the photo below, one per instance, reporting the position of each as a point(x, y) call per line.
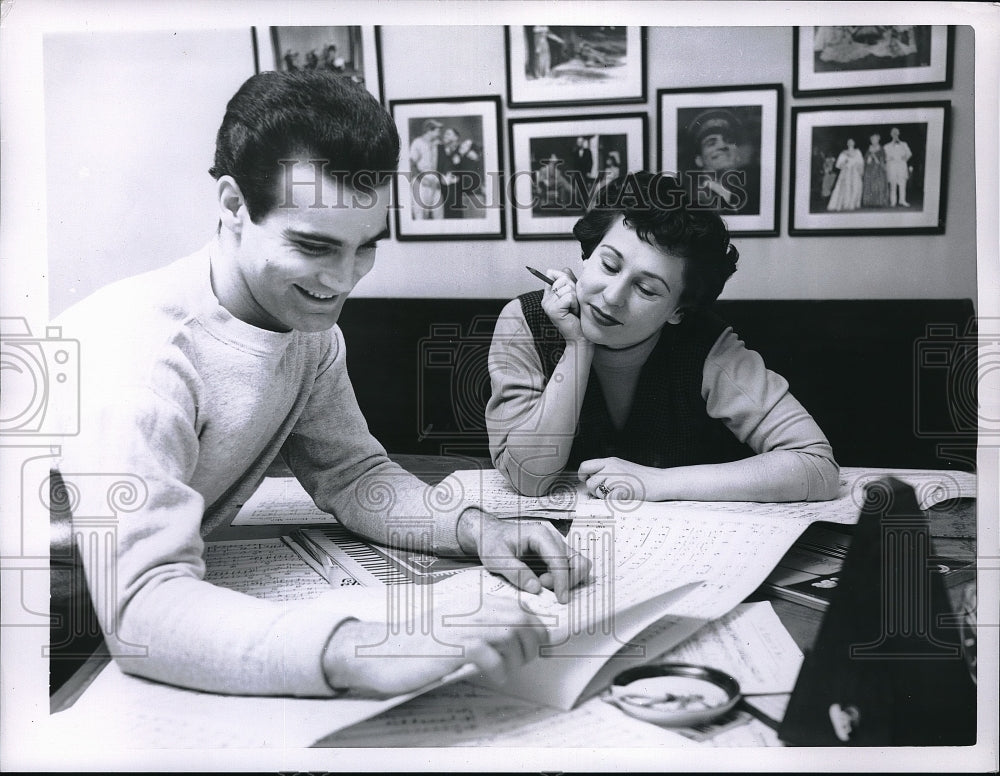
point(309, 114)
point(659, 209)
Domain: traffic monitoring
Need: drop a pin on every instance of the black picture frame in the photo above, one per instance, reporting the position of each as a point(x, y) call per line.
point(358, 52)
point(549, 190)
point(881, 59)
point(600, 65)
point(456, 192)
point(739, 172)
point(824, 196)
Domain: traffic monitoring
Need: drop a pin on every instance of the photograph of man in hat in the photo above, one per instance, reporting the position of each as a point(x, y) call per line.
point(724, 151)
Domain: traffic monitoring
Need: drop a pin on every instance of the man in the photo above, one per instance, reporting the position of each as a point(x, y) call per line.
point(424, 169)
point(199, 375)
point(583, 167)
point(462, 177)
point(897, 168)
point(728, 177)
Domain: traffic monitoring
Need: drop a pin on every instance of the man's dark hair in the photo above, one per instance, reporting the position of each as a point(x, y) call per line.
point(658, 208)
point(302, 115)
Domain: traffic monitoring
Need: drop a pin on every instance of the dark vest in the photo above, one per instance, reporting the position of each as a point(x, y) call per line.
point(667, 424)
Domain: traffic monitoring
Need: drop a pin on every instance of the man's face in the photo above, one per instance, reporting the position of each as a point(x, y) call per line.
point(718, 153)
point(297, 266)
point(450, 138)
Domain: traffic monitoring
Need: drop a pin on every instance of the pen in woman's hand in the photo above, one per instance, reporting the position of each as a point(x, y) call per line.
point(539, 275)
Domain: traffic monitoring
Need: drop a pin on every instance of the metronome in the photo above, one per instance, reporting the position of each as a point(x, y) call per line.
point(887, 668)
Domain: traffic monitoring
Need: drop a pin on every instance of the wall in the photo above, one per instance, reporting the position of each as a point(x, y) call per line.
point(102, 130)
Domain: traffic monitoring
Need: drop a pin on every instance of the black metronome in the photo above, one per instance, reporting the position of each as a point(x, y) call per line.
point(887, 668)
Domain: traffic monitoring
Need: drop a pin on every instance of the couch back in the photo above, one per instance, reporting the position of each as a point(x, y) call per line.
point(891, 382)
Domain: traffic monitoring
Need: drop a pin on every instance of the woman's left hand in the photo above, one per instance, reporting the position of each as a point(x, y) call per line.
point(617, 478)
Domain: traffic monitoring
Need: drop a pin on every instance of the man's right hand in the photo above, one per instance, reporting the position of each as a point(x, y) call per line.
point(498, 639)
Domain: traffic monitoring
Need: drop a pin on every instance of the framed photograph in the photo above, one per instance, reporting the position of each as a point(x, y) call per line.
point(354, 51)
point(724, 143)
point(854, 60)
point(450, 184)
point(866, 169)
point(558, 166)
point(575, 65)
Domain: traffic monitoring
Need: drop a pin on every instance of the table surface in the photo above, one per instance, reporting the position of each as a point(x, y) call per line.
point(952, 531)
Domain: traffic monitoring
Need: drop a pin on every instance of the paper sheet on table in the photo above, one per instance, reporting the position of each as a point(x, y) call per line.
point(490, 490)
point(280, 501)
point(466, 714)
point(679, 573)
point(930, 485)
point(750, 644)
point(120, 712)
point(263, 568)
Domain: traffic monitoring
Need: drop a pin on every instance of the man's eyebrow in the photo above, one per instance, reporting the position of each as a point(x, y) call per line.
point(305, 234)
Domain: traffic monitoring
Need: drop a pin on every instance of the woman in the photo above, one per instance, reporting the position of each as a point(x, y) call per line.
point(625, 376)
point(847, 192)
point(875, 184)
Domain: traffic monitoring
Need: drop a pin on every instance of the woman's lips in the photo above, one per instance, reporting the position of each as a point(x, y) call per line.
point(602, 318)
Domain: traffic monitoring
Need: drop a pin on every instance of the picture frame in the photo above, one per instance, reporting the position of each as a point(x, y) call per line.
point(554, 176)
point(449, 185)
point(724, 144)
point(864, 59)
point(356, 51)
point(574, 65)
point(838, 190)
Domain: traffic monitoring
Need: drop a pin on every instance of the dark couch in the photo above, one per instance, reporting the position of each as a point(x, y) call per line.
point(891, 382)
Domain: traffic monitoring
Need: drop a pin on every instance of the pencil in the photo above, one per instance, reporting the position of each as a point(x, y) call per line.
point(539, 275)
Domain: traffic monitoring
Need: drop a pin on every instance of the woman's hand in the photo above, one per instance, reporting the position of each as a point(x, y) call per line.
point(620, 479)
point(561, 305)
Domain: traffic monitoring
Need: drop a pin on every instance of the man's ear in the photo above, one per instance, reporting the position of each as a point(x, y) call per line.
point(699, 162)
point(233, 212)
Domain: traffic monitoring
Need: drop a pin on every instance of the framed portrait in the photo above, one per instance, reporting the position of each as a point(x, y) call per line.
point(354, 51)
point(724, 144)
point(449, 185)
point(866, 169)
point(574, 65)
point(854, 60)
point(560, 165)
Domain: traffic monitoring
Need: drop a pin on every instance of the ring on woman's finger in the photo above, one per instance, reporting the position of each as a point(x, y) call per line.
point(604, 490)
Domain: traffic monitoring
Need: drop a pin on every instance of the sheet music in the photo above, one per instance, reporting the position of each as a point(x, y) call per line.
point(750, 644)
point(465, 714)
point(263, 568)
point(280, 501)
point(692, 568)
point(931, 487)
point(120, 710)
point(490, 489)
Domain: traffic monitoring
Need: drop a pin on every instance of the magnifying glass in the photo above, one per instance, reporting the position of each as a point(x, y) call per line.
point(674, 694)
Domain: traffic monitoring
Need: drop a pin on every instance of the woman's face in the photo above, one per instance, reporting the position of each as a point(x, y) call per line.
point(628, 289)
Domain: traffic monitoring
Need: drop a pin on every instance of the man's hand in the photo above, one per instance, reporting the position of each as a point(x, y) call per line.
point(498, 639)
point(501, 545)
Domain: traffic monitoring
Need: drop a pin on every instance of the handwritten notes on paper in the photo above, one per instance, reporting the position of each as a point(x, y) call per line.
point(264, 568)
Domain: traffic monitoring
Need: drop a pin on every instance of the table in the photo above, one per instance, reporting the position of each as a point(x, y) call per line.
point(953, 533)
